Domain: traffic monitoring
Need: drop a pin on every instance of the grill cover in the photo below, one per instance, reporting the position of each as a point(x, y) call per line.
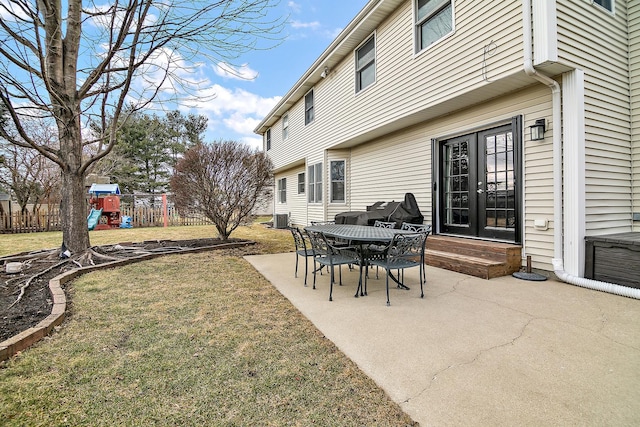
point(399, 212)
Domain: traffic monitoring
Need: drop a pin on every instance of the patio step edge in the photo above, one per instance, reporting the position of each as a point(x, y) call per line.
point(467, 264)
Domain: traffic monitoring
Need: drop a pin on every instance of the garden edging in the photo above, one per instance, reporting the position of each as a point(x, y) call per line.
point(27, 338)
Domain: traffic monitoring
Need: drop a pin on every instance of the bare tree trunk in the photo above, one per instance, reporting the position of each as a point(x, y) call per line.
point(73, 207)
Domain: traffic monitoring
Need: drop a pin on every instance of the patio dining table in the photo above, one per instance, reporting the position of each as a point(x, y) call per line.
point(360, 236)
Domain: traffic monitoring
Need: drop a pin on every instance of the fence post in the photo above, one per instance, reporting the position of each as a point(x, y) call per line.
point(164, 210)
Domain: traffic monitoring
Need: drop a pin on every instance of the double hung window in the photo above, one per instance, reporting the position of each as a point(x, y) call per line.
point(282, 190)
point(301, 183)
point(285, 126)
point(434, 20)
point(366, 64)
point(314, 176)
point(308, 107)
point(268, 138)
point(337, 181)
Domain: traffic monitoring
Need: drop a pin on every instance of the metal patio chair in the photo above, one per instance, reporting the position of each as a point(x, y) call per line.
point(418, 228)
point(303, 249)
point(404, 251)
point(375, 248)
point(329, 255)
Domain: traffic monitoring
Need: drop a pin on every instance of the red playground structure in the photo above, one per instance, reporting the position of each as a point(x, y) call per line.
point(105, 207)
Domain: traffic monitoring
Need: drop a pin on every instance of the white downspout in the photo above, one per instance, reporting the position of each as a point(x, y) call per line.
point(558, 260)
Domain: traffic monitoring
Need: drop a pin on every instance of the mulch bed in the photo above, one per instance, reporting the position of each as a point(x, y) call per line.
point(21, 312)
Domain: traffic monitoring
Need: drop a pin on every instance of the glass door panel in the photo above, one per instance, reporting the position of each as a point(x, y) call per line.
point(496, 196)
point(457, 190)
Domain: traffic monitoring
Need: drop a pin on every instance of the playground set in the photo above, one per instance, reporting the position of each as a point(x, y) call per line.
point(105, 207)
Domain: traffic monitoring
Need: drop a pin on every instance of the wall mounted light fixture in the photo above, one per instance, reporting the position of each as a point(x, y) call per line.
point(537, 130)
point(325, 72)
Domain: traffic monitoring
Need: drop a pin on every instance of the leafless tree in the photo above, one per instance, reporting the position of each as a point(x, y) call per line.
point(28, 175)
point(75, 62)
point(223, 181)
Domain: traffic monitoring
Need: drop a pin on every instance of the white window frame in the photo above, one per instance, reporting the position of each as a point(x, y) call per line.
point(267, 137)
point(609, 9)
point(314, 183)
point(282, 190)
point(285, 126)
point(343, 181)
point(301, 183)
point(309, 118)
point(418, 23)
point(359, 70)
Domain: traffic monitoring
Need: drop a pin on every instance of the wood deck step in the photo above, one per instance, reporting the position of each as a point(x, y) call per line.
point(474, 257)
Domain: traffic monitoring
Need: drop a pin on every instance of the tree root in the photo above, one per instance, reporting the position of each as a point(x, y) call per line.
point(35, 276)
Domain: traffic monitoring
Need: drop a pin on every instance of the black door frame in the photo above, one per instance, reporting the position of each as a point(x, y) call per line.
point(472, 230)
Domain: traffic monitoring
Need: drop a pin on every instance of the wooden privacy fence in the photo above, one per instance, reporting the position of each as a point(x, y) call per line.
point(49, 220)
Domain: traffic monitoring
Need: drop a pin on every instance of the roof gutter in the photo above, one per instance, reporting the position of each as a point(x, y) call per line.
point(558, 224)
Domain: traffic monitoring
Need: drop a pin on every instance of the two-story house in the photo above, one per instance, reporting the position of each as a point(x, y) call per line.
point(513, 121)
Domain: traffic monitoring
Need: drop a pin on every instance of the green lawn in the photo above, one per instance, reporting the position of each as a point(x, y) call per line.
point(191, 340)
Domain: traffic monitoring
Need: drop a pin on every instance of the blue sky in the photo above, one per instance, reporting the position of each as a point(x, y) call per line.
point(239, 104)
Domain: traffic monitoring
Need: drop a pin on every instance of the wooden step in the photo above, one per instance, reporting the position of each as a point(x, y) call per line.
point(478, 258)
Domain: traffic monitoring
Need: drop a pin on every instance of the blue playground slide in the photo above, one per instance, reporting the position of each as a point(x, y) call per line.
point(93, 218)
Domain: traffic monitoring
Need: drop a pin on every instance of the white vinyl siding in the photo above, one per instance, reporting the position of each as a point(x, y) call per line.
point(296, 206)
point(604, 58)
point(400, 91)
point(634, 61)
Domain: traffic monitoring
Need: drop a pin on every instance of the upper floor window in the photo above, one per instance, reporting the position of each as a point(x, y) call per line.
point(268, 138)
point(338, 181)
point(366, 64)
point(301, 183)
point(314, 177)
point(308, 107)
point(434, 20)
point(285, 126)
point(607, 4)
point(282, 190)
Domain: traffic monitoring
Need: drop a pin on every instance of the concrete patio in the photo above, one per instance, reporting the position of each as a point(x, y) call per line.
point(479, 352)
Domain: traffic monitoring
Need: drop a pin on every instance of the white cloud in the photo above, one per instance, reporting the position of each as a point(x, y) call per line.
point(228, 71)
point(235, 110)
point(315, 25)
point(295, 7)
point(252, 141)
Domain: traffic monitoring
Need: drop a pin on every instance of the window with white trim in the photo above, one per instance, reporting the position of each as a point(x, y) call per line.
point(282, 190)
point(366, 64)
point(314, 183)
point(301, 183)
point(268, 138)
point(434, 20)
point(337, 168)
point(308, 108)
point(607, 4)
point(285, 126)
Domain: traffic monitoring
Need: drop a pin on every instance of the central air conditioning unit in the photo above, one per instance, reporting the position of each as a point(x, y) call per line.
point(281, 220)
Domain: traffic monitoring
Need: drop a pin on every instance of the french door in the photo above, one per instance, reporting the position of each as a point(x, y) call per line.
point(479, 192)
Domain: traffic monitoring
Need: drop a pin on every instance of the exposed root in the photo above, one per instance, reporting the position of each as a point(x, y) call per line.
point(35, 276)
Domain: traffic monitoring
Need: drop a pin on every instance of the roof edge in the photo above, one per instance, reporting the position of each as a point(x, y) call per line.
point(318, 63)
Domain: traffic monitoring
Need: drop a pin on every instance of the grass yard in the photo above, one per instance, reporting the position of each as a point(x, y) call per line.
point(187, 340)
